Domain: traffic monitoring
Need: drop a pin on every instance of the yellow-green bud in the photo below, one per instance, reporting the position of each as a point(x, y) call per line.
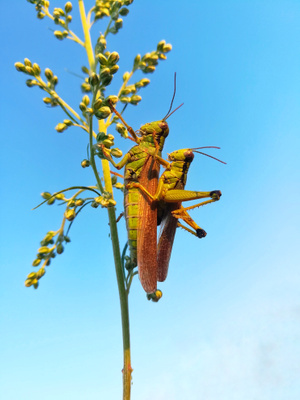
point(19, 66)
point(135, 99)
point(125, 100)
point(114, 69)
point(31, 82)
point(112, 99)
point(69, 18)
point(102, 59)
point(112, 202)
point(32, 275)
point(70, 215)
point(27, 62)
point(85, 87)
point(126, 76)
point(103, 112)
point(29, 70)
point(46, 195)
point(104, 72)
point(94, 79)
point(59, 248)
point(113, 58)
point(108, 143)
point(82, 107)
point(65, 33)
point(120, 128)
point(47, 100)
point(59, 196)
point(94, 204)
point(61, 127)
point(160, 45)
point(116, 153)
point(86, 100)
point(68, 7)
point(40, 15)
point(36, 262)
point(44, 250)
point(28, 282)
point(59, 35)
point(51, 201)
point(36, 69)
point(97, 104)
point(167, 48)
point(49, 236)
point(41, 272)
point(68, 122)
point(35, 283)
point(48, 74)
point(124, 11)
point(162, 56)
point(149, 69)
point(85, 163)
point(71, 203)
point(145, 81)
point(119, 23)
point(79, 202)
point(119, 185)
point(114, 180)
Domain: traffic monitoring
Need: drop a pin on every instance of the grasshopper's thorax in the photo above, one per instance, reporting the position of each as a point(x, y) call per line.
point(180, 164)
point(154, 133)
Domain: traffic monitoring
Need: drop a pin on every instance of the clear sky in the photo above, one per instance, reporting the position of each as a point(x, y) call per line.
point(227, 327)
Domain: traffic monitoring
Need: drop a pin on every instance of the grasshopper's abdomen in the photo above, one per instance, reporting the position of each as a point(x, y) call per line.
point(131, 207)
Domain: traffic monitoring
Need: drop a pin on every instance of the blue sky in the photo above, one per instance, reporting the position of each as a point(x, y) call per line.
point(228, 324)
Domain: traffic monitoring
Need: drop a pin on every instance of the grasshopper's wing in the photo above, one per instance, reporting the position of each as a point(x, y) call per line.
point(166, 240)
point(147, 227)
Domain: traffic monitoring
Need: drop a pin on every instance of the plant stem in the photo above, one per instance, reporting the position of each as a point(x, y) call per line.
point(127, 370)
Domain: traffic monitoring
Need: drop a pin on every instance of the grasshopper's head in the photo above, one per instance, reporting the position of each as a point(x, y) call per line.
point(155, 131)
point(184, 155)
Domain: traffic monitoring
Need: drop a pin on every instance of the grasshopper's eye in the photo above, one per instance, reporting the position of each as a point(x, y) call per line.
point(189, 155)
point(163, 126)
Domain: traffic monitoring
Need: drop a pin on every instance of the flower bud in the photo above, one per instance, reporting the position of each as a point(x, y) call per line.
point(127, 2)
point(44, 250)
point(59, 35)
point(32, 275)
point(79, 202)
point(102, 59)
point(86, 100)
point(41, 272)
point(94, 79)
point(51, 201)
point(31, 82)
point(125, 100)
point(59, 248)
point(94, 204)
point(113, 58)
point(114, 69)
point(82, 107)
point(161, 56)
point(104, 72)
point(124, 11)
point(85, 87)
point(135, 99)
point(68, 7)
point(36, 69)
point(60, 196)
point(97, 104)
point(126, 76)
point(70, 214)
point(36, 262)
point(47, 100)
point(68, 122)
point(103, 112)
point(71, 203)
point(85, 163)
point(20, 67)
point(48, 74)
point(167, 48)
point(61, 127)
point(27, 62)
point(120, 128)
point(116, 153)
point(40, 15)
point(108, 143)
point(149, 69)
point(46, 195)
point(160, 45)
point(112, 99)
point(29, 70)
point(119, 185)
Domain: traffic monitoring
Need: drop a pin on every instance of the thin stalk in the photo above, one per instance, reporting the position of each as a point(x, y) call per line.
point(127, 370)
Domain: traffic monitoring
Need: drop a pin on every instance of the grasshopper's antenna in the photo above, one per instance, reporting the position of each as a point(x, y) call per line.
point(171, 105)
point(204, 154)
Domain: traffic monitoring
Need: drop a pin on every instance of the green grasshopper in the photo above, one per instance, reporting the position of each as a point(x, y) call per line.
point(168, 197)
point(142, 166)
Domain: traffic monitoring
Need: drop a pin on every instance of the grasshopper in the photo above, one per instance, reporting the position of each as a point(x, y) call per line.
point(168, 197)
point(142, 166)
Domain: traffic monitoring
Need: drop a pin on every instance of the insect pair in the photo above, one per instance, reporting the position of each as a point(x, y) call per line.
point(150, 201)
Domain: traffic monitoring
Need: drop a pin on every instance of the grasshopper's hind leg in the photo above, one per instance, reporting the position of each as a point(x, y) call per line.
point(182, 214)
